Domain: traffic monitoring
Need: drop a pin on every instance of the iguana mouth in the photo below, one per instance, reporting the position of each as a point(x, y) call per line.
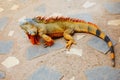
point(34, 39)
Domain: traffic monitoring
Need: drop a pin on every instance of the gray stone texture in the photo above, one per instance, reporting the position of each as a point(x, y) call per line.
point(3, 23)
point(41, 8)
point(113, 7)
point(39, 50)
point(99, 44)
point(44, 73)
point(5, 46)
point(2, 75)
point(82, 16)
point(103, 73)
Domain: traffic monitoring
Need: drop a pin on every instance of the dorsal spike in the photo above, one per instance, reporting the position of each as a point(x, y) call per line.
point(60, 18)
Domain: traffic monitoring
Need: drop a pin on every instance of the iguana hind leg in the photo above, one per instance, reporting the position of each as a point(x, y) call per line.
point(67, 36)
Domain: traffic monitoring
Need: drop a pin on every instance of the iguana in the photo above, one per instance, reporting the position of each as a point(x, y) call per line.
point(54, 27)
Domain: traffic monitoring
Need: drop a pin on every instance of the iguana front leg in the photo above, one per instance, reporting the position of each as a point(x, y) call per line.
point(48, 40)
point(67, 36)
point(42, 33)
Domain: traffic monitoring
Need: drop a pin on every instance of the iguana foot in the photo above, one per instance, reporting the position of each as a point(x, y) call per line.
point(49, 43)
point(69, 43)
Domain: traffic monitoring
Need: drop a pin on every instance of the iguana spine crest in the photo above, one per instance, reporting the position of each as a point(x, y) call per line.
point(61, 18)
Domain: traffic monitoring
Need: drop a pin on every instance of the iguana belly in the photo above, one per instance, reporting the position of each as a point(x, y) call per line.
point(56, 35)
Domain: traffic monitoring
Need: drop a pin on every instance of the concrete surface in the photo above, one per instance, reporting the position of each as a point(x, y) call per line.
point(67, 65)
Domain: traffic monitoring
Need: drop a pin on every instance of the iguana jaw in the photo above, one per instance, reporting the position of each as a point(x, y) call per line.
point(34, 39)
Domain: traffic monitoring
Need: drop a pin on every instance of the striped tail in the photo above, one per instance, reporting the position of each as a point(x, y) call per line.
point(103, 36)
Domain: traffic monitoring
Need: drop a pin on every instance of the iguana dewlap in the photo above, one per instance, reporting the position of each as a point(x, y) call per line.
point(48, 28)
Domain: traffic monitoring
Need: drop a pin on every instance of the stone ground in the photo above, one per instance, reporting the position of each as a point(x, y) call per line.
point(72, 67)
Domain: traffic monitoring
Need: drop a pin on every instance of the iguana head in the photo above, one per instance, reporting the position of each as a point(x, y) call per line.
point(28, 25)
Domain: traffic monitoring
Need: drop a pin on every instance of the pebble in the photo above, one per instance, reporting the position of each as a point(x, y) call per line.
point(10, 62)
point(11, 33)
point(1, 9)
point(80, 37)
point(88, 4)
point(73, 78)
point(114, 22)
point(75, 51)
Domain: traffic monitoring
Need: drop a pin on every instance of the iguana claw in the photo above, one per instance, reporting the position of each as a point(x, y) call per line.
point(69, 43)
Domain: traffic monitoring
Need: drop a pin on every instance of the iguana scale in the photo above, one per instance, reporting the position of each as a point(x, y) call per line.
point(53, 27)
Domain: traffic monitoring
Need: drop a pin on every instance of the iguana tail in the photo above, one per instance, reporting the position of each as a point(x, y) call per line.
point(93, 29)
point(103, 36)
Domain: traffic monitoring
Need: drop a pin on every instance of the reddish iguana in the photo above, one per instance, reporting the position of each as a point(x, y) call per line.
point(48, 28)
